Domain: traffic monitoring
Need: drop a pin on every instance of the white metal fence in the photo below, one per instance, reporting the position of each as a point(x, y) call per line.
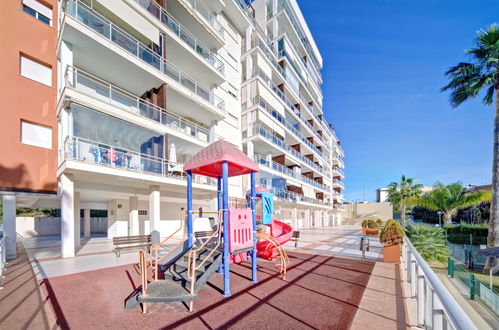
point(3, 257)
point(436, 307)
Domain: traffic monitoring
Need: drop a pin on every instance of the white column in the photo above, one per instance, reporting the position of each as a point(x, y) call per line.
point(249, 74)
point(294, 218)
point(306, 219)
point(133, 216)
point(274, 22)
point(77, 219)
point(86, 220)
point(154, 213)
point(250, 150)
point(67, 216)
point(249, 32)
point(9, 225)
point(112, 210)
point(420, 297)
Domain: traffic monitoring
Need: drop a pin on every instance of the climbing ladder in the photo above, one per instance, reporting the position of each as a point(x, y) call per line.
point(185, 270)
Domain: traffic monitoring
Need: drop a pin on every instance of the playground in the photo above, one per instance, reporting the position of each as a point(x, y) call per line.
point(230, 267)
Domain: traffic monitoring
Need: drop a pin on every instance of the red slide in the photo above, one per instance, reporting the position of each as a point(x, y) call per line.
point(281, 232)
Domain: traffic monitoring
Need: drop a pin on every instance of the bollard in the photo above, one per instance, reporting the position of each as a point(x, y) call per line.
point(472, 286)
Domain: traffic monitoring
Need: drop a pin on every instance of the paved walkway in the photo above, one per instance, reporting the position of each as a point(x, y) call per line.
point(327, 286)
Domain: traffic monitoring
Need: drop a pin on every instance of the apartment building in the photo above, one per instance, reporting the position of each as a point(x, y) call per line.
point(139, 86)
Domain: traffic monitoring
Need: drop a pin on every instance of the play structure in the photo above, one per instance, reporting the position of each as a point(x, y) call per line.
point(212, 239)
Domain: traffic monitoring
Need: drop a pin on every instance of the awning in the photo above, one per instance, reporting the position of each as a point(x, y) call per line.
point(308, 192)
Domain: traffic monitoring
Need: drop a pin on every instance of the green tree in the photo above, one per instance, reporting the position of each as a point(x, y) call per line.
point(429, 241)
point(400, 193)
point(450, 199)
point(467, 81)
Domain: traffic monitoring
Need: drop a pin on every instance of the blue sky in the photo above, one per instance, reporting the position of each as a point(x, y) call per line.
point(384, 63)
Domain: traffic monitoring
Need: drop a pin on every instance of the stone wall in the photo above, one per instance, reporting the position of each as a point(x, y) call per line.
point(354, 213)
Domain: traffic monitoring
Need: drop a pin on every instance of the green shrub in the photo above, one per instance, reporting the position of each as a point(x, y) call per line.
point(364, 223)
point(372, 224)
point(392, 233)
point(429, 241)
point(461, 234)
point(379, 222)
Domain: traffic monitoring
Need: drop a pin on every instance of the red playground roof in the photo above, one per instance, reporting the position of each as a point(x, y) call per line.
point(209, 160)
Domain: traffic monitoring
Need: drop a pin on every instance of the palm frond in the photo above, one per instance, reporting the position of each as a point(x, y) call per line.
point(489, 96)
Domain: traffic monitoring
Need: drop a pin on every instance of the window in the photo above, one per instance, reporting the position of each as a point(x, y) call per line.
point(35, 70)
point(36, 135)
point(38, 10)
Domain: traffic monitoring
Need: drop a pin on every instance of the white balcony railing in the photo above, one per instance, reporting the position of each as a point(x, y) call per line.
point(76, 148)
point(436, 307)
point(271, 111)
point(3, 255)
point(258, 129)
point(291, 197)
point(261, 160)
point(100, 89)
point(207, 14)
point(171, 23)
point(124, 40)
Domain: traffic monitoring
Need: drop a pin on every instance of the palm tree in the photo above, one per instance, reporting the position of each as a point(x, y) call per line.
point(450, 199)
point(429, 241)
point(400, 193)
point(467, 80)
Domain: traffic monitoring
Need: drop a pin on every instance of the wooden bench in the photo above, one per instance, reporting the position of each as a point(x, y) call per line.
point(296, 235)
point(131, 243)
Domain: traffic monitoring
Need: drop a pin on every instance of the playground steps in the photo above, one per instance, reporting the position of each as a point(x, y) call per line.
point(175, 287)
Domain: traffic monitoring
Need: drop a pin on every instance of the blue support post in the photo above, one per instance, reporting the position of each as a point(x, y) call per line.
point(225, 199)
point(253, 213)
point(189, 209)
point(219, 207)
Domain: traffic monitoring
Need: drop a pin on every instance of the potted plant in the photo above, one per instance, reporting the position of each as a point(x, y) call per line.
point(392, 235)
point(372, 228)
point(380, 223)
point(364, 226)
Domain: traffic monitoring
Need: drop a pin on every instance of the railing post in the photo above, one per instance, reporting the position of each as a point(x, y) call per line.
point(472, 286)
point(420, 297)
point(408, 264)
point(451, 268)
point(413, 277)
point(437, 313)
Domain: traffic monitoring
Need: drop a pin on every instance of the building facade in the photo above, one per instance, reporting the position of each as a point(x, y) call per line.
point(139, 86)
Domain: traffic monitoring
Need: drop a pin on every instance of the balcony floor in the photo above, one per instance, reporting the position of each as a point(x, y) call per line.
point(324, 288)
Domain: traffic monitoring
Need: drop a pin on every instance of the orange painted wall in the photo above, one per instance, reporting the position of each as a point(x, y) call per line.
point(25, 167)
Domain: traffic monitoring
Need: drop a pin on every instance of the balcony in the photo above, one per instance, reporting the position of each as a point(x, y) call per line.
point(257, 72)
point(338, 183)
point(296, 132)
point(145, 54)
point(276, 141)
point(260, 160)
point(204, 15)
point(95, 87)
point(96, 153)
point(291, 197)
point(338, 171)
point(174, 26)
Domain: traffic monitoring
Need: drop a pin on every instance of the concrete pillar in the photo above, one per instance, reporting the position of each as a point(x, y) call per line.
point(249, 32)
point(294, 218)
point(67, 216)
point(306, 220)
point(274, 22)
point(154, 213)
point(250, 150)
point(9, 225)
point(112, 210)
point(86, 220)
point(77, 219)
point(249, 74)
point(133, 216)
point(325, 219)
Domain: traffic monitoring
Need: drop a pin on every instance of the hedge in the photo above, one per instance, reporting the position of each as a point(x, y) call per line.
point(467, 234)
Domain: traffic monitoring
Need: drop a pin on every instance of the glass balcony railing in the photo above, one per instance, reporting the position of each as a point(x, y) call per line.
point(257, 129)
point(259, 159)
point(122, 39)
point(93, 152)
point(339, 183)
point(288, 196)
point(258, 72)
point(339, 170)
point(271, 111)
point(89, 84)
point(160, 13)
point(207, 14)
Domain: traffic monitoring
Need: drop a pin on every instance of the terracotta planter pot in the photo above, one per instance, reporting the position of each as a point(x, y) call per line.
point(391, 253)
point(372, 231)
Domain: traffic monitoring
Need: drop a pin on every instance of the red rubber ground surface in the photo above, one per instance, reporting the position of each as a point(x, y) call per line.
point(319, 292)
